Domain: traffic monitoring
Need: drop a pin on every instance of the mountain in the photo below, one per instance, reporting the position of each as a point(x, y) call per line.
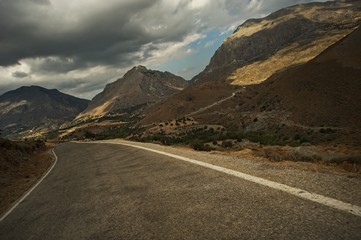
point(305, 99)
point(33, 109)
point(317, 101)
point(258, 49)
point(138, 87)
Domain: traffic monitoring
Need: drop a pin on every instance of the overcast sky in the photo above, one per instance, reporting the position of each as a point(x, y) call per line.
point(78, 46)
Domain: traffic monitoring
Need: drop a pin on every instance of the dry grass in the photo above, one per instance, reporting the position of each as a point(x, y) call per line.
point(286, 157)
point(341, 158)
point(289, 56)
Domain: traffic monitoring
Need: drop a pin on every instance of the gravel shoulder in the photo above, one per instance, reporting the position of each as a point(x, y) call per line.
point(325, 180)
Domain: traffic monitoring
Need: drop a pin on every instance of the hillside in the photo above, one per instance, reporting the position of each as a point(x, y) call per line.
point(323, 92)
point(317, 101)
point(138, 87)
point(33, 109)
point(258, 49)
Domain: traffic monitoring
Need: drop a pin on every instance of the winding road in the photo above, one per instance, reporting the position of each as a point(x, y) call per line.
point(212, 105)
point(107, 191)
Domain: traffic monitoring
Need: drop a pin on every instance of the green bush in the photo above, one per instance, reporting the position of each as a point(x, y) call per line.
point(262, 138)
point(227, 144)
point(89, 135)
point(199, 146)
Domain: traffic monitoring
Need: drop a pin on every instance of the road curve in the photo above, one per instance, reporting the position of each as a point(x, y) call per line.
point(104, 191)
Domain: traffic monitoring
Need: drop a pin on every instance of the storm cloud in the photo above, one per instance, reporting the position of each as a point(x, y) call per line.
point(37, 29)
point(19, 74)
point(68, 43)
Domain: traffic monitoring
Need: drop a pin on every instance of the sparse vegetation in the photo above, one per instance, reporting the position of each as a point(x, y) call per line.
point(327, 130)
point(27, 146)
point(21, 164)
point(199, 136)
point(199, 146)
point(227, 144)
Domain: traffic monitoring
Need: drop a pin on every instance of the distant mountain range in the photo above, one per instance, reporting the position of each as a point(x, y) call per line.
point(35, 110)
point(293, 74)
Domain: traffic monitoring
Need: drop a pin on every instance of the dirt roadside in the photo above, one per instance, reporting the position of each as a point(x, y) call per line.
point(20, 169)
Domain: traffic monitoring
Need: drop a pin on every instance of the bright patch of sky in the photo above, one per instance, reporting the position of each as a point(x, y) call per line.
point(201, 52)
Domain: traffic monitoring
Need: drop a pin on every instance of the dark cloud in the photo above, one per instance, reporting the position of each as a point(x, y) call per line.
point(41, 2)
point(108, 36)
point(19, 74)
point(101, 37)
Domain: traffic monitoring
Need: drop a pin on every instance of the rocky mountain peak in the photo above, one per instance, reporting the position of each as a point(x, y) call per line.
point(140, 68)
point(139, 86)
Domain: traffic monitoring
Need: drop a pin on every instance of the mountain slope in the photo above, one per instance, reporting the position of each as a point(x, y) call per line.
point(324, 91)
point(258, 49)
point(137, 87)
point(35, 108)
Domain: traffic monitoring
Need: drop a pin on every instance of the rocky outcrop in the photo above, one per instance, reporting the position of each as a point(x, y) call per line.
point(34, 109)
point(139, 86)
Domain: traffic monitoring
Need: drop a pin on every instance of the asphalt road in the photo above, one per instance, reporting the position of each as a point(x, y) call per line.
point(104, 191)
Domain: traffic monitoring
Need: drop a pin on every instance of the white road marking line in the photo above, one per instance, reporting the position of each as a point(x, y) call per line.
point(327, 201)
point(30, 190)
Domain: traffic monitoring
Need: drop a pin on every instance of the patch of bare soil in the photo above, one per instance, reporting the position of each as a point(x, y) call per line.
point(20, 168)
